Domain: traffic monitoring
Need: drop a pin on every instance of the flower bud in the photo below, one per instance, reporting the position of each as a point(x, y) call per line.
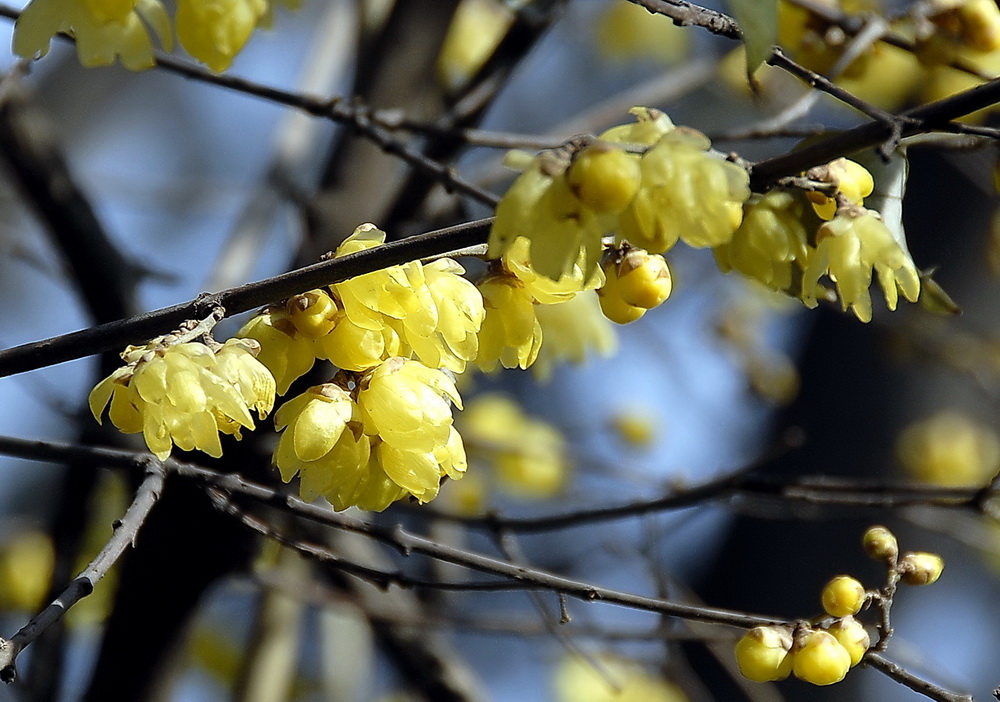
point(764, 653)
point(821, 659)
point(852, 636)
point(920, 568)
point(880, 544)
point(313, 313)
point(644, 279)
point(605, 178)
point(843, 596)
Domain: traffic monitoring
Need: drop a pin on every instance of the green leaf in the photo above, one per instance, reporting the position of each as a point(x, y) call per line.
point(759, 21)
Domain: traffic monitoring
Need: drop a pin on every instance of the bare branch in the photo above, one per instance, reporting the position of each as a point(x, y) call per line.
point(125, 533)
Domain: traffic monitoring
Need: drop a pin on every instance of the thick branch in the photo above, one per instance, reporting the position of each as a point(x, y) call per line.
point(138, 329)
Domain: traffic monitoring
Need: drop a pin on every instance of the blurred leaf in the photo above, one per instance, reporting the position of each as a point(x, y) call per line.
point(759, 21)
point(934, 299)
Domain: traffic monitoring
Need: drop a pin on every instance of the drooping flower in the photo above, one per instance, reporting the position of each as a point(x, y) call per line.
point(849, 248)
point(183, 394)
point(103, 29)
point(511, 335)
point(214, 31)
point(572, 331)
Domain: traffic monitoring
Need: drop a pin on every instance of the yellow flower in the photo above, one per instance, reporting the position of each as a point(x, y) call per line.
point(770, 245)
point(103, 29)
point(460, 314)
point(406, 404)
point(849, 247)
point(511, 334)
point(476, 29)
point(284, 350)
point(686, 193)
point(214, 31)
point(765, 653)
point(571, 331)
point(182, 394)
point(545, 290)
point(541, 207)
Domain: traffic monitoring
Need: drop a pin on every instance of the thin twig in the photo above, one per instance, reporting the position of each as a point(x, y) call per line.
point(125, 533)
point(915, 683)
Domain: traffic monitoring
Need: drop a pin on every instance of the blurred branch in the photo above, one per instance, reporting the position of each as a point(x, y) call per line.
point(454, 240)
point(125, 533)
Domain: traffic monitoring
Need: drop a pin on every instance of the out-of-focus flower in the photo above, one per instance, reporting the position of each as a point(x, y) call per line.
point(616, 680)
point(949, 449)
point(572, 331)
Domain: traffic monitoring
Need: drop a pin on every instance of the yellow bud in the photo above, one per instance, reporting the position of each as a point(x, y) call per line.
point(605, 178)
point(644, 279)
point(764, 653)
point(613, 305)
point(880, 543)
point(852, 636)
point(920, 568)
point(843, 596)
point(313, 313)
point(821, 659)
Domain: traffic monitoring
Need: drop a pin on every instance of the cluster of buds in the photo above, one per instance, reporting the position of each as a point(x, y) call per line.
point(822, 652)
point(566, 200)
point(789, 247)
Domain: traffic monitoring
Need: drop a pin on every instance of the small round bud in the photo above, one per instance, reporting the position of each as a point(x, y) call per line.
point(843, 596)
point(764, 653)
point(644, 279)
point(852, 636)
point(880, 544)
point(612, 305)
point(919, 568)
point(313, 313)
point(605, 178)
point(820, 659)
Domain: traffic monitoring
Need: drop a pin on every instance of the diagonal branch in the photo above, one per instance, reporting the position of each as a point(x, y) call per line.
point(125, 534)
point(115, 335)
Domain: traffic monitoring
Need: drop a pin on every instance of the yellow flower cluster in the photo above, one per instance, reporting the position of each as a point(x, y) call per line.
point(427, 311)
point(388, 436)
point(212, 31)
point(186, 393)
point(823, 653)
point(781, 244)
point(382, 429)
point(567, 200)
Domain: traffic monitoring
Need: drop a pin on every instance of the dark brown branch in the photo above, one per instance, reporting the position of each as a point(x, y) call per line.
point(138, 329)
point(125, 534)
point(915, 683)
